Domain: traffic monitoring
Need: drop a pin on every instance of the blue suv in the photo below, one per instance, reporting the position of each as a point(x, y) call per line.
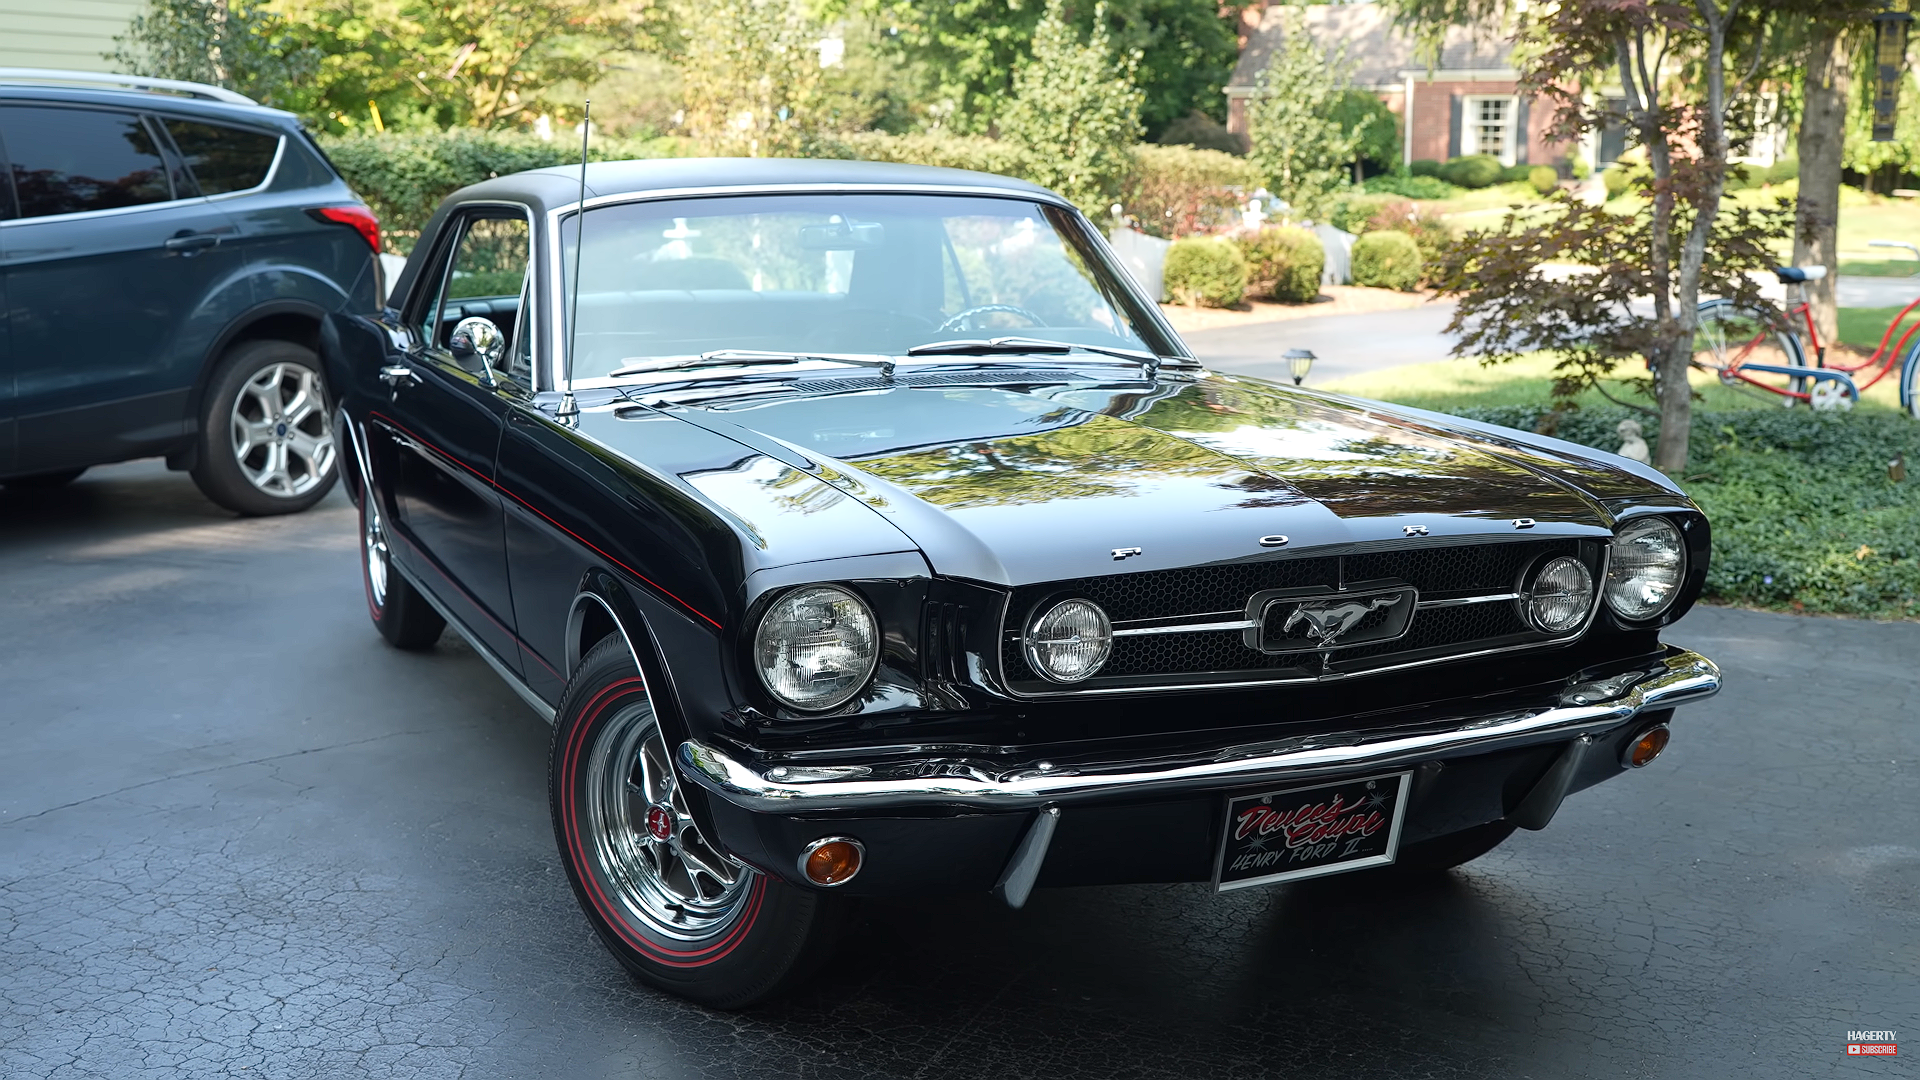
point(167, 254)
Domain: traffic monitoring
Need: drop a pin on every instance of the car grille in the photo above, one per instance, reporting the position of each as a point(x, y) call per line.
point(1221, 593)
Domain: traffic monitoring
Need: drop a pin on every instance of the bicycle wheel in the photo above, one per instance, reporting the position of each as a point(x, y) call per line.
point(1729, 337)
point(1910, 382)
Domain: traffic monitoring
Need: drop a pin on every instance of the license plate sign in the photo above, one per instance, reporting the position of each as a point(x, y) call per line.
point(1311, 831)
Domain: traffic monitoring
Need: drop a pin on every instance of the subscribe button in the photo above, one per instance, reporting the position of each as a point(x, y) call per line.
point(1872, 1049)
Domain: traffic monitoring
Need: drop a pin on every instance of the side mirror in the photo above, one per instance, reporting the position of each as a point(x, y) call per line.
point(479, 338)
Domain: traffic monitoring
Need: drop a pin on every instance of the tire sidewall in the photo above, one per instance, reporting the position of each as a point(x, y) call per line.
point(216, 471)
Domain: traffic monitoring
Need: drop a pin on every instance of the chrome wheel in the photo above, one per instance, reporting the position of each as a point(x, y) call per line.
point(374, 543)
point(645, 847)
point(279, 432)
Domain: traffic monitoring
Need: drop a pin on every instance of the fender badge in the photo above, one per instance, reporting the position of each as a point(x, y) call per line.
point(1414, 530)
point(1124, 553)
point(1273, 541)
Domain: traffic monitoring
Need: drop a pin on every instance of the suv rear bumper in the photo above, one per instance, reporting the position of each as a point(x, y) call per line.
point(1593, 709)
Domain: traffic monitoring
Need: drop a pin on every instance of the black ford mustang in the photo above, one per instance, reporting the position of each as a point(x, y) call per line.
point(863, 530)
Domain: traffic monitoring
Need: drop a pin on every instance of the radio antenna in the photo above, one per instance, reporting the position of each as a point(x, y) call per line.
point(568, 407)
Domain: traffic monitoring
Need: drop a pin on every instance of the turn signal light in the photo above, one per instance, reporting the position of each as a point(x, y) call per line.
point(832, 860)
point(1644, 749)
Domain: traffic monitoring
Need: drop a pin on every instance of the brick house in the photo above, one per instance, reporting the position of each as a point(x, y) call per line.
point(1467, 103)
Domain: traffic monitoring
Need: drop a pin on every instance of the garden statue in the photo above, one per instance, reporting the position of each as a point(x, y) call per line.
point(1632, 444)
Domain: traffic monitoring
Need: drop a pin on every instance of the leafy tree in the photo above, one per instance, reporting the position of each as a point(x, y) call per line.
point(1379, 129)
point(1823, 134)
point(1187, 50)
point(1299, 144)
point(751, 74)
point(1684, 68)
point(232, 43)
point(468, 62)
point(1076, 110)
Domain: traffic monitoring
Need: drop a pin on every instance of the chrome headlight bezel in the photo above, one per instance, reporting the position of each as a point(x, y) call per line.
point(774, 643)
point(1092, 616)
point(1582, 584)
point(1622, 575)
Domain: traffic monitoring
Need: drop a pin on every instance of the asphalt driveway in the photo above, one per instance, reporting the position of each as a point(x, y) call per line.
point(239, 836)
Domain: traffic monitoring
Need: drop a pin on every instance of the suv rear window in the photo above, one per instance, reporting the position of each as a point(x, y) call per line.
point(68, 161)
point(223, 158)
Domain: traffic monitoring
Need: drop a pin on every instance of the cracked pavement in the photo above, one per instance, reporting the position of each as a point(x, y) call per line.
point(239, 836)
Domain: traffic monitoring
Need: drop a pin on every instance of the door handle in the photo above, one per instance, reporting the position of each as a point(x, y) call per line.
point(397, 375)
point(187, 242)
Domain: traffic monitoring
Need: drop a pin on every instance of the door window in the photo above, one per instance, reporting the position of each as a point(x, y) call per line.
point(485, 278)
point(223, 158)
point(69, 161)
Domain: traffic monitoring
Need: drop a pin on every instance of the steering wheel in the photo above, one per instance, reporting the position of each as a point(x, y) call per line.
point(960, 321)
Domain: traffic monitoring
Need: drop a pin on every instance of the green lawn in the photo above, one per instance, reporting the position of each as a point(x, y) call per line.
point(1908, 267)
point(1864, 327)
point(1806, 516)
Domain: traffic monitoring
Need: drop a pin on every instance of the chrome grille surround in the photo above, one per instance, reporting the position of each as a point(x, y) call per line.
point(1185, 628)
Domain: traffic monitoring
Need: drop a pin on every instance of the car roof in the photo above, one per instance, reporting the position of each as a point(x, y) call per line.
point(546, 189)
point(174, 104)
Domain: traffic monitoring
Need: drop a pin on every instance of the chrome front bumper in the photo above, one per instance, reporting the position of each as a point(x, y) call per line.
point(1587, 709)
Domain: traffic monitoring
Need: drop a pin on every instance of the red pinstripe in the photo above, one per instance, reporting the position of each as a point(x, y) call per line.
point(584, 542)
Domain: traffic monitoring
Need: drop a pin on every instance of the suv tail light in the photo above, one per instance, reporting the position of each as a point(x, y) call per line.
point(359, 217)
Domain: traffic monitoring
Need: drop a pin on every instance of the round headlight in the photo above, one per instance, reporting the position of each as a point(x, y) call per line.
point(816, 647)
point(1069, 641)
point(1561, 594)
point(1649, 563)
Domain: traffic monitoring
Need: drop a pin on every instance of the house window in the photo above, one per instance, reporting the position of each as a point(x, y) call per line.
point(1490, 127)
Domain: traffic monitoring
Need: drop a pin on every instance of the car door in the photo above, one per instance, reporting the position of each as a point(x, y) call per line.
point(445, 415)
point(106, 260)
point(6, 356)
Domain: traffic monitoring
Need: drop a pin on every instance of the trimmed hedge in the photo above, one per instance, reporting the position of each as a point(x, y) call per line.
point(1179, 190)
point(1387, 260)
point(1284, 263)
point(1472, 171)
point(1351, 213)
point(975, 152)
point(1413, 186)
point(403, 176)
point(1544, 179)
point(1804, 514)
point(1205, 271)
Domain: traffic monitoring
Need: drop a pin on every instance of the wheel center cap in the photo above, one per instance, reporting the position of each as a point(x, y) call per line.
point(280, 430)
point(660, 822)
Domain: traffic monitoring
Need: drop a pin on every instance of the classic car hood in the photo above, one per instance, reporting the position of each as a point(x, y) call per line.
point(1023, 483)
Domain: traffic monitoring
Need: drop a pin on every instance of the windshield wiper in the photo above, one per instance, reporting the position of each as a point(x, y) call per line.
point(965, 346)
point(733, 357)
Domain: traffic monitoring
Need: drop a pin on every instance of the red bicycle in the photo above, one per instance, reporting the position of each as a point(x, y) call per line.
point(1754, 346)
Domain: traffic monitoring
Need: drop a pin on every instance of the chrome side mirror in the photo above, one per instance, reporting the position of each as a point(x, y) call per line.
point(479, 338)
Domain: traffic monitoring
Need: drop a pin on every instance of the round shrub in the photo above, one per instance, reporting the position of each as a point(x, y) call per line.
point(1783, 170)
point(1424, 167)
point(1387, 260)
point(1284, 263)
point(1616, 180)
point(1206, 272)
point(1472, 171)
point(1544, 178)
point(1516, 174)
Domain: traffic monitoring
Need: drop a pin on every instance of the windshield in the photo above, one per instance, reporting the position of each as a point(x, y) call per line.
point(875, 274)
